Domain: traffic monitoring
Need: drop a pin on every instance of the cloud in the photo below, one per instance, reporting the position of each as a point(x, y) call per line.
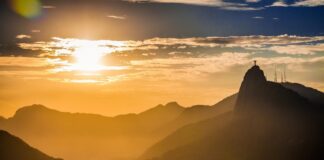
point(116, 17)
point(212, 3)
point(158, 58)
point(231, 41)
point(178, 68)
point(65, 46)
point(24, 66)
point(246, 5)
point(258, 17)
point(279, 4)
point(23, 36)
point(23, 61)
point(15, 50)
point(48, 7)
point(253, 1)
point(300, 3)
point(309, 3)
point(35, 31)
point(298, 49)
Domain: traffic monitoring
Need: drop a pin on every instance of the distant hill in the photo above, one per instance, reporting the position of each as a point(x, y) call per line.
point(269, 122)
point(13, 148)
point(262, 119)
point(89, 135)
point(198, 113)
point(79, 136)
point(311, 94)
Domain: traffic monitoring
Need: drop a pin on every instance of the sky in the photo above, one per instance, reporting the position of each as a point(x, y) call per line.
point(114, 57)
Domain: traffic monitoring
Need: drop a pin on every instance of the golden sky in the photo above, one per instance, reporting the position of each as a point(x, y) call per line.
point(116, 57)
point(114, 77)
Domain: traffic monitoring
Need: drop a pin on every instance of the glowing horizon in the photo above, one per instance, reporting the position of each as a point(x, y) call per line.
point(118, 57)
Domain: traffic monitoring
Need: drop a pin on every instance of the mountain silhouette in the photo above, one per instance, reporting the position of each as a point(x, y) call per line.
point(264, 120)
point(2, 119)
point(311, 94)
point(269, 122)
point(89, 136)
point(257, 95)
point(79, 136)
point(13, 148)
point(198, 113)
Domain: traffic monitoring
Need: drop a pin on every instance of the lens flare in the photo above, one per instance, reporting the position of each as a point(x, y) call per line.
point(27, 8)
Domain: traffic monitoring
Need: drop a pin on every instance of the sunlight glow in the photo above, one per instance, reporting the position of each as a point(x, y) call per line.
point(88, 54)
point(88, 58)
point(88, 65)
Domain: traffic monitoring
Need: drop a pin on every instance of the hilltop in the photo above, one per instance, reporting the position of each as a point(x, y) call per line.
point(269, 121)
point(13, 148)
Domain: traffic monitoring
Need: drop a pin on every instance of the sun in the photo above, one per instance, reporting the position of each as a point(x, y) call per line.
point(88, 57)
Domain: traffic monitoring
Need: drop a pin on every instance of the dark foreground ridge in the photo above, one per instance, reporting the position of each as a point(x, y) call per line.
point(257, 95)
point(99, 137)
point(269, 122)
point(13, 148)
point(265, 120)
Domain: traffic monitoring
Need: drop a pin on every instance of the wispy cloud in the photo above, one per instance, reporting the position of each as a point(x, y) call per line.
point(35, 31)
point(301, 3)
point(48, 7)
point(258, 17)
point(247, 5)
point(116, 17)
point(23, 36)
point(194, 68)
point(309, 3)
point(279, 4)
point(212, 3)
point(65, 46)
point(253, 1)
point(298, 49)
point(161, 57)
point(24, 61)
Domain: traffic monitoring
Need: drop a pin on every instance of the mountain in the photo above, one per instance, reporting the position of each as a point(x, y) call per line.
point(2, 119)
point(198, 113)
point(13, 148)
point(88, 136)
point(79, 136)
point(269, 122)
point(160, 113)
point(257, 95)
point(311, 94)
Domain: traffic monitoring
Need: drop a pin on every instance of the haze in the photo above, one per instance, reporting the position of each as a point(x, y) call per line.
point(117, 57)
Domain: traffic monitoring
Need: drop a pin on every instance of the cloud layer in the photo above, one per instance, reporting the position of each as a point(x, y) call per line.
point(248, 5)
point(159, 58)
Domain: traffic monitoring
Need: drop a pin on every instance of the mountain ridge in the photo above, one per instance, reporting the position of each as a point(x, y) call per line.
point(13, 148)
point(132, 132)
point(135, 133)
point(311, 94)
point(269, 122)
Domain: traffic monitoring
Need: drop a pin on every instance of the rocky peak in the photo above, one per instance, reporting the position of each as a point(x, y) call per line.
point(257, 95)
point(2, 118)
point(31, 110)
point(173, 104)
point(254, 76)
